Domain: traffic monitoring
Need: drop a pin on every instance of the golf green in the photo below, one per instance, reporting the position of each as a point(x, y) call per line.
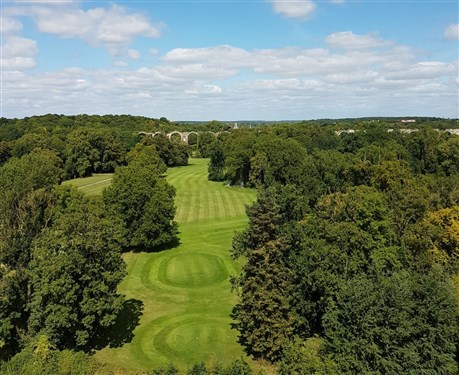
point(185, 292)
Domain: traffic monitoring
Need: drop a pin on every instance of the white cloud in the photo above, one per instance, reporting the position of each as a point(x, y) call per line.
point(290, 84)
point(198, 71)
point(9, 25)
point(423, 70)
point(347, 78)
point(119, 63)
point(300, 9)
point(349, 40)
point(228, 82)
point(154, 51)
point(225, 55)
point(113, 27)
point(133, 54)
point(147, 92)
point(18, 53)
point(452, 32)
point(205, 89)
point(306, 62)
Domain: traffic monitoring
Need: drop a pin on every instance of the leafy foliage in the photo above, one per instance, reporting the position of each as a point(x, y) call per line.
point(143, 202)
point(24, 210)
point(307, 358)
point(394, 324)
point(74, 272)
point(217, 162)
point(40, 358)
point(172, 153)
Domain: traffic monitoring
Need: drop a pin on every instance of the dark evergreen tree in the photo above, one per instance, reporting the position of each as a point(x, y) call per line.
point(264, 317)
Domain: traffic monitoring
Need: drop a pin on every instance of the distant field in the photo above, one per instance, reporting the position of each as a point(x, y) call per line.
point(91, 185)
point(185, 291)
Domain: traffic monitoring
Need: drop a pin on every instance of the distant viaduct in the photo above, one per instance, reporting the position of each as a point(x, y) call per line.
point(185, 135)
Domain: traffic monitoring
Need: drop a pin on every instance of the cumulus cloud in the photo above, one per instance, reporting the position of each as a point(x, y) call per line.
point(119, 63)
point(225, 54)
point(380, 79)
point(452, 32)
point(348, 78)
point(423, 70)
point(148, 92)
point(113, 27)
point(349, 40)
point(300, 9)
point(205, 89)
point(133, 54)
point(198, 71)
point(18, 53)
point(9, 25)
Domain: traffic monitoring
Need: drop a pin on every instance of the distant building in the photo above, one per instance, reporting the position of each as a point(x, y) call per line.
point(409, 120)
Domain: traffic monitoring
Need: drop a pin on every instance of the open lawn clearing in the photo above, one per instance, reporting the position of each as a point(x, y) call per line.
point(92, 185)
point(185, 292)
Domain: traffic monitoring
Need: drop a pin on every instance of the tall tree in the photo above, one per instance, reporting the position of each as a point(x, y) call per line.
point(143, 201)
point(263, 316)
point(348, 234)
point(25, 199)
point(217, 161)
point(74, 272)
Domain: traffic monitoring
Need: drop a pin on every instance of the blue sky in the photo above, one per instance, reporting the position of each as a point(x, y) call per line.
point(231, 60)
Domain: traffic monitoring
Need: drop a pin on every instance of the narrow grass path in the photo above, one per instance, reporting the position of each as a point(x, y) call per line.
point(185, 291)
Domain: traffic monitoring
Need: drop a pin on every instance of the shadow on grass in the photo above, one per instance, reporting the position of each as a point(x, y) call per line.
point(122, 332)
point(172, 244)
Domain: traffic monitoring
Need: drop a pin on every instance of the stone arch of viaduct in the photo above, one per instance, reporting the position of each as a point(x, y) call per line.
point(184, 136)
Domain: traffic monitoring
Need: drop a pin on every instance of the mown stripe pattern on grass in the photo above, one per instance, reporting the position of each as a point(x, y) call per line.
point(185, 291)
point(91, 185)
point(198, 199)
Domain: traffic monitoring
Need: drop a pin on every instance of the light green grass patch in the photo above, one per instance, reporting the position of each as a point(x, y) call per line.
point(185, 291)
point(92, 185)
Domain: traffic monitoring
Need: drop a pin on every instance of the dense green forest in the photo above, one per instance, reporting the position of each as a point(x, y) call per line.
point(351, 253)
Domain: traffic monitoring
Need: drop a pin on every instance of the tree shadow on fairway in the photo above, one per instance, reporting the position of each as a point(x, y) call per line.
point(122, 332)
point(172, 244)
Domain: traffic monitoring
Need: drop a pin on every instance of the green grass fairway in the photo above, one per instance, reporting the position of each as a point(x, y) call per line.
point(185, 291)
point(91, 185)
